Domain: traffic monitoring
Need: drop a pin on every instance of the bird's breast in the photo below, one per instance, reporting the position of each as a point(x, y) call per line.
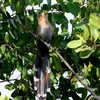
point(45, 34)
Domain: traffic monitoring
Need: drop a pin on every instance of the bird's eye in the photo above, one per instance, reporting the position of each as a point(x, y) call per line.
point(40, 15)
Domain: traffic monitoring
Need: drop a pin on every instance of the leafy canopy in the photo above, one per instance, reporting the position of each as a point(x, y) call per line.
point(81, 48)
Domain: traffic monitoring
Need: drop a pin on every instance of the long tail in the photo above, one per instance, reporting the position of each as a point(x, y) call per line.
point(42, 71)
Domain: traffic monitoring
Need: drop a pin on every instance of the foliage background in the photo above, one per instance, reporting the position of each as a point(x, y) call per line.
point(81, 48)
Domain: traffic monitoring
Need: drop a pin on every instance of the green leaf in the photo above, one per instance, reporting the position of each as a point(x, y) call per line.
point(53, 79)
point(86, 54)
point(83, 92)
point(18, 98)
point(94, 32)
point(20, 42)
point(86, 32)
point(94, 20)
point(57, 63)
point(73, 8)
point(61, 16)
point(12, 22)
point(6, 3)
point(8, 56)
point(10, 86)
point(18, 64)
point(57, 40)
point(98, 72)
point(24, 72)
point(82, 48)
point(12, 34)
point(19, 6)
point(7, 37)
point(74, 43)
point(3, 48)
point(7, 98)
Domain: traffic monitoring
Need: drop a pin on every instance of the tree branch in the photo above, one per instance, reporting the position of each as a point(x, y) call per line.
point(65, 62)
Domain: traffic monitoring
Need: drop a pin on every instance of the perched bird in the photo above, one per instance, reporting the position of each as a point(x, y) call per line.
point(42, 64)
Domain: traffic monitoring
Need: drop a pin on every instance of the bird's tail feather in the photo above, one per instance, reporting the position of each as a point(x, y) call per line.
point(42, 75)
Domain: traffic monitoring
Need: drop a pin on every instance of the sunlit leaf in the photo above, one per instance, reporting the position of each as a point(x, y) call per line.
point(94, 32)
point(98, 72)
point(10, 86)
point(82, 48)
point(53, 78)
point(3, 48)
point(85, 54)
point(94, 20)
point(74, 43)
point(86, 32)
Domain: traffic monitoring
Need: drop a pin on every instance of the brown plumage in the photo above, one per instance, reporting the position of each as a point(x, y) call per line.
point(42, 63)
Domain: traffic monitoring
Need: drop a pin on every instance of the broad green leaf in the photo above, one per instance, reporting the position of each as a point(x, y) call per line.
point(57, 40)
point(3, 48)
point(61, 16)
point(8, 56)
point(53, 79)
point(82, 48)
point(6, 3)
point(10, 86)
point(18, 98)
point(86, 54)
point(86, 32)
point(7, 98)
point(94, 20)
point(18, 64)
point(82, 91)
point(57, 63)
point(19, 7)
point(94, 32)
point(24, 72)
point(74, 43)
point(73, 8)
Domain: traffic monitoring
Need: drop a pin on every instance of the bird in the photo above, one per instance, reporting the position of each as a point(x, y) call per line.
point(42, 66)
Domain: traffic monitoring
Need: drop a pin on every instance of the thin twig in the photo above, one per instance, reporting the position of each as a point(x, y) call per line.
point(7, 80)
point(65, 62)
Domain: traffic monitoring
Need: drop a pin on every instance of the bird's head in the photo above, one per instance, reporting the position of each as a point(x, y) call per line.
point(43, 15)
